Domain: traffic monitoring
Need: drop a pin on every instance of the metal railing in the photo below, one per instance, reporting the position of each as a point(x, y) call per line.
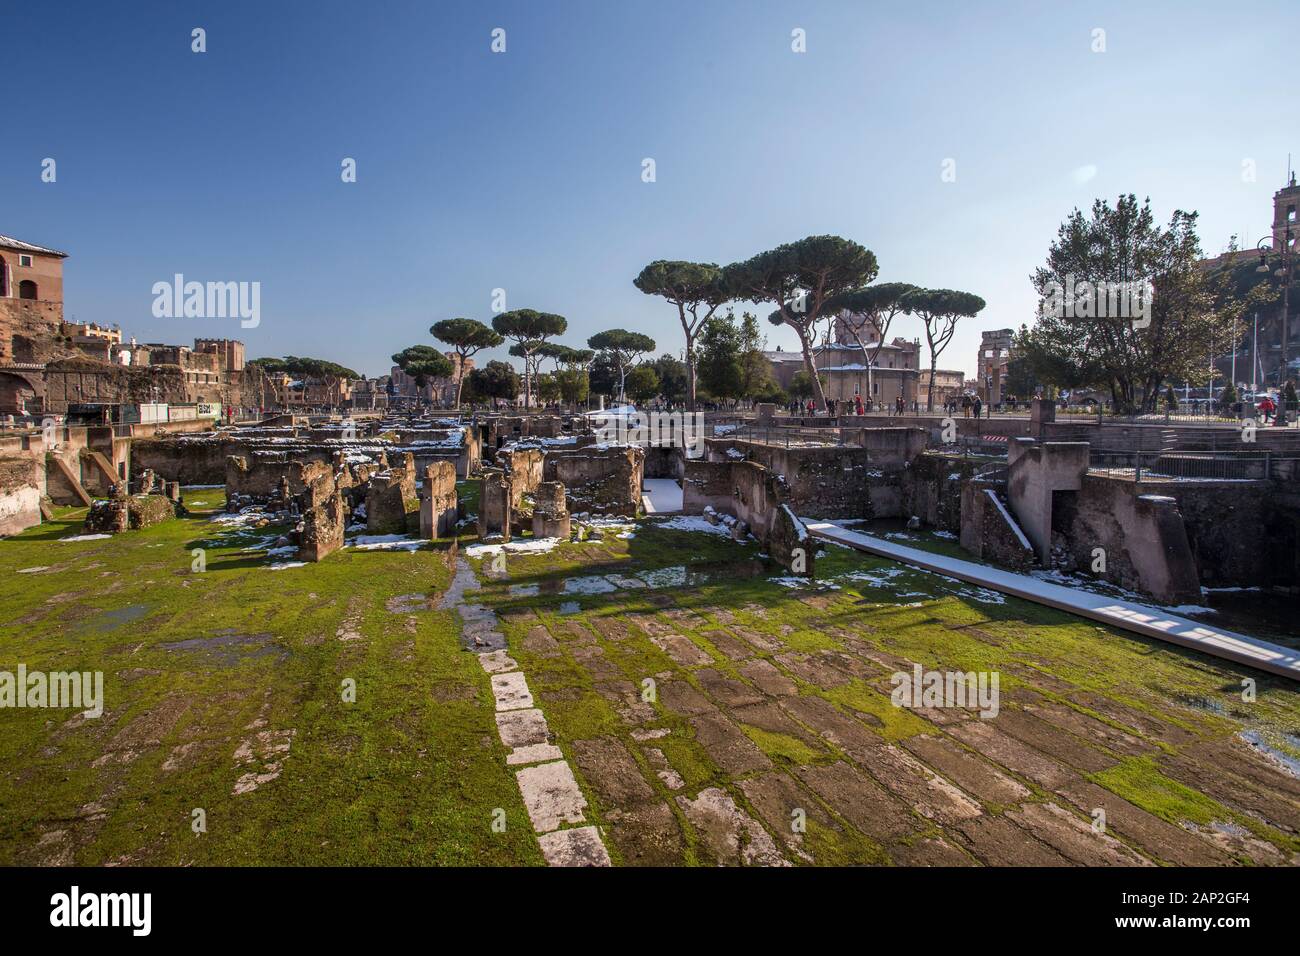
point(1189, 465)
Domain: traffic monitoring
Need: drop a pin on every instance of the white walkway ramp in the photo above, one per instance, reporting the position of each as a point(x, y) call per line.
point(1138, 618)
point(661, 496)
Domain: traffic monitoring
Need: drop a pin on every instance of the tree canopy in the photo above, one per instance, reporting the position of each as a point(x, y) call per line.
point(622, 349)
point(467, 337)
point(691, 287)
point(799, 278)
point(303, 367)
point(529, 329)
point(940, 309)
point(1134, 355)
point(422, 363)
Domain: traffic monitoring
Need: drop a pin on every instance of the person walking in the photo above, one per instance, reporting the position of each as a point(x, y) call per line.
point(976, 406)
point(1266, 408)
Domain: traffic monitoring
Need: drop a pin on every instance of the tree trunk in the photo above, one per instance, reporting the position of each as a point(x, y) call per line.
point(690, 374)
point(811, 369)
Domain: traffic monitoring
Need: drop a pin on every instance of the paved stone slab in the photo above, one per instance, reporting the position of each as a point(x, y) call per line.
point(497, 662)
point(511, 691)
point(731, 835)
point(767, 678)
point(539, 642)
point(834, 725)
point(681, 649)
point(611, 771)
point(1073, 837)
point(551, 795)
point(1011, 753)
point(534, 753)
point(732, 647)
point(1061, 744)
point(812, 669)
point(647, 834)
point(727, 745)
point(726, 690)
point(1155, 836)
point(768, 716)
point(576, 847)
point(972, 774)
point(776, 797)
point(523, 728)
point(921, 788)
point(860, 801)
point(681, 697)
point(997, 841)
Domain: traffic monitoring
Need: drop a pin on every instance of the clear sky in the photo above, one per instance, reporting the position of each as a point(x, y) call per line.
point(522, 170)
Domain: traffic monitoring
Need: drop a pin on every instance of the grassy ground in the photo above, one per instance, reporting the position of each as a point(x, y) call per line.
point(224, 692)
point(209, 676)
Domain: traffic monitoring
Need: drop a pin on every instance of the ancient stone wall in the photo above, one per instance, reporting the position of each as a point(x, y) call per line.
point(323, 522)
point(392, 503)
point(258, 475)
point(989, 532)
point(1141, 536)
point(495, 504)
point(599, 480)
point(22, 483)
point(438, 503)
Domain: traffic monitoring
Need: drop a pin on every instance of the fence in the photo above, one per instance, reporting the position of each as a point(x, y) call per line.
point(1191, 465)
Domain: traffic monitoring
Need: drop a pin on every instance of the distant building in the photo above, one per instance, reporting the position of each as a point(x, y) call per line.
point(991, 365)
point(949, 385)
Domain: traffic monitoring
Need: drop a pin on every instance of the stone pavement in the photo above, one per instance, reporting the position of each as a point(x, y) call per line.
point(743, 749)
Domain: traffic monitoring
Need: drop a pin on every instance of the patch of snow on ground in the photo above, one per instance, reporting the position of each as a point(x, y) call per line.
point(87, 537)
point(693, 523)
point(385, 542)
point(529, 546)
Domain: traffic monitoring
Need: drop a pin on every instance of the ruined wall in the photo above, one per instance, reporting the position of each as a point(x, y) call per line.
point(755, 496)
point(392, 504)
point(828, 481)
point(525, 468)
point(438, 503)
point(200, 460)
point(932, 490)
point(665, 463)
point(988, 531)
point(22, 482)
point(603, 481)
point(258, 475)
point(1141, 534)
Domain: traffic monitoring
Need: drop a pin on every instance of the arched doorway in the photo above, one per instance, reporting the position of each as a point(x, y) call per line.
point(27, 289)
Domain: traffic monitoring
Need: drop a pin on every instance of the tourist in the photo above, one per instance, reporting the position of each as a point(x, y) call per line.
point(1266, 408)
point(976, 406)
point(860, 409)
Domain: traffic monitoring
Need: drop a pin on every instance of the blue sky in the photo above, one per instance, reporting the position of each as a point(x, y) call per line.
point(522, 170)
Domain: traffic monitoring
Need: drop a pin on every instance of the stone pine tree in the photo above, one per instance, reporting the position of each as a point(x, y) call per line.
point(622, 348)
point(697, 289)
point(800, 277)
point(422, 363)
point(939, 310)
point(878, 304)
point(466, 337)
point(529, 329)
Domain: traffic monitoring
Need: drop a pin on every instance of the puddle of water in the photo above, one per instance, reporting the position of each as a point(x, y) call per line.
point(112, 620)
point(1204, 703)
point(1289, 763)
point(407, 604)
point(229, 648)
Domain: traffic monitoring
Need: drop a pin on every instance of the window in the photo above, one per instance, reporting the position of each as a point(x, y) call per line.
point(27, 260)
point(27, 289)
point(1290, 213)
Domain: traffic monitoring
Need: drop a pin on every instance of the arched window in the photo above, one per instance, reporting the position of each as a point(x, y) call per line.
point(27, 289)
point(4, 278)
